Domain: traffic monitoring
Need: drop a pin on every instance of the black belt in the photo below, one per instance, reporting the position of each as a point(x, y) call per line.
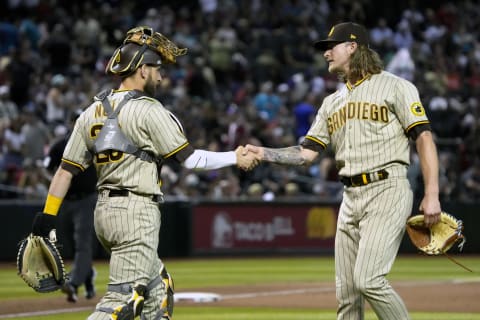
point(78, 196)
point(364, 178)
point(125, 193)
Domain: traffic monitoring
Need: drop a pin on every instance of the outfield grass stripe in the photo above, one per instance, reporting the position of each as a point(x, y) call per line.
point(43, 313)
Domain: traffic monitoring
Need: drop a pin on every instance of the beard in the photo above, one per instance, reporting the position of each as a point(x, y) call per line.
point(150, 87)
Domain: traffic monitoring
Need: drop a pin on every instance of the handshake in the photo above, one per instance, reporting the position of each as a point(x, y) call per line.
point(249, 156)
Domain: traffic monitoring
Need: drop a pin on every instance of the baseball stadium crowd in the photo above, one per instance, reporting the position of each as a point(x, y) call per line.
point(251, 75)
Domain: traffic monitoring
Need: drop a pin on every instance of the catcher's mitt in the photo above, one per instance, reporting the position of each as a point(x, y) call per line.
point(437, 239)
point(40, 264)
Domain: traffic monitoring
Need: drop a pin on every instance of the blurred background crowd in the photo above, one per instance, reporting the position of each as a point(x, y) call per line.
point(250, 76)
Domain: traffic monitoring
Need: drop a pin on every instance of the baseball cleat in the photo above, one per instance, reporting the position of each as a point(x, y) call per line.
point(71, 291)
point(90, 286)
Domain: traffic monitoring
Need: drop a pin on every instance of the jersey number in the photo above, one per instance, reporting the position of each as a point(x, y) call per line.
point(106, 156)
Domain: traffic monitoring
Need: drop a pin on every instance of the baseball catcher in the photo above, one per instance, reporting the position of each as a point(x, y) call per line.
point(39, 262)
point(439, 238)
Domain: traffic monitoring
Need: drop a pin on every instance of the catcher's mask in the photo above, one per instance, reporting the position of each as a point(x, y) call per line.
point(142, 46)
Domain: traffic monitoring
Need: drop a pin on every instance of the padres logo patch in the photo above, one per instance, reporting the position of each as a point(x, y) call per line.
point(417, 109)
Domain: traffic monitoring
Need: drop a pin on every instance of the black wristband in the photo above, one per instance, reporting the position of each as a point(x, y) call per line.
point(43, 223)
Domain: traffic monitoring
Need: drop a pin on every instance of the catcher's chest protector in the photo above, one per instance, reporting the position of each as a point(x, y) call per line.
point(111, 136)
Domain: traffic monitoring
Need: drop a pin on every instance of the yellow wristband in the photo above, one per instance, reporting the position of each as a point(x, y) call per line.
point(52, 205)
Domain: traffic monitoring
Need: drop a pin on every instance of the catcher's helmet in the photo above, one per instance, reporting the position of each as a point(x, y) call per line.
point(142, 46)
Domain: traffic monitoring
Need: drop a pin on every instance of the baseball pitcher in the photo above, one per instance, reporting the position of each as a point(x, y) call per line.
point(368, 123)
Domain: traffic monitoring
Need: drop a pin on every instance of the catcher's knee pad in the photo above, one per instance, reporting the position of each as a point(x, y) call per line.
point(168, 299)
point(133, 307)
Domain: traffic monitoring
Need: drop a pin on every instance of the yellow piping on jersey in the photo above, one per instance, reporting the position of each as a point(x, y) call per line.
point(122, 90)
point(73, 164)
point(416, 124)
point(350, 87)
point(316, 140)
point(142, 97)
point(149, 99)
point(176, 150)
point(137, 98)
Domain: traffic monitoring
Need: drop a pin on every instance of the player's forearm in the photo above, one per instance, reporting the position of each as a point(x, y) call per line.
point(427, 152)
point(289, 155)
point(57, 191)
point(60, 183)
point(209, 160)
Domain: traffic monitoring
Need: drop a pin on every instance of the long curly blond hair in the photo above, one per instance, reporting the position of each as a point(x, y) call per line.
point(364, 61)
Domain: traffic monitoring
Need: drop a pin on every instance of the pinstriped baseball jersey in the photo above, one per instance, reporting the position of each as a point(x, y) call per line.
point(147, 124)
point(367, 124)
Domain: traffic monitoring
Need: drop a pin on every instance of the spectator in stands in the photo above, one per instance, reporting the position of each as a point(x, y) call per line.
point(31, 181)
point(20, 72)
point(56, 101)
point(304, 113)
point(381, 37)
point(36, 133)
point(403, 37)
point(9, 37)
point(402, 64)
point(470, 182)
point(447, 67)
point(14, 141)
point(8, 109)
point(267, 102)
point(58, 50)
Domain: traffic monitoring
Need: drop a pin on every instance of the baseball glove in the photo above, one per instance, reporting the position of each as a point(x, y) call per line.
point(437, 239)
point(40, 264)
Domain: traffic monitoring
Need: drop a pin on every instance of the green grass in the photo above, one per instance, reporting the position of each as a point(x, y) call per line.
point(191, 274)
point(211, 313)
point(224, 272)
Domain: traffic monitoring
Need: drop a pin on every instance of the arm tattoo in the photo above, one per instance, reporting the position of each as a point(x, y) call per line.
point(289, 155)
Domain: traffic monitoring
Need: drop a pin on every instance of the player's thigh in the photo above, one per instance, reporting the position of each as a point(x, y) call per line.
point(383, 226)
point(131, 228)
point(387, 206)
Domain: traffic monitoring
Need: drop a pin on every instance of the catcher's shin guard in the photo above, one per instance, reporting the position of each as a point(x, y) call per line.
point(168, 301)
point(134, 306)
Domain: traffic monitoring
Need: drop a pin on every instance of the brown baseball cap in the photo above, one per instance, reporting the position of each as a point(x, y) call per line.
point(343, 32)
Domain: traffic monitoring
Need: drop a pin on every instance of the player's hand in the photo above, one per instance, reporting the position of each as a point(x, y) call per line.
point(430, 206)
point(258, 151)
point(43, 223)
point(246, 160)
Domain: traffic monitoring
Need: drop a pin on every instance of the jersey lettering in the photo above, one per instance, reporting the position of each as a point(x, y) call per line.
point(108, 155)
point(100, 111)
point(357, 110)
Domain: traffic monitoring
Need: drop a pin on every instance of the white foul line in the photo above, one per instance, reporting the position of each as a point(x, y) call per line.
point(275, 293)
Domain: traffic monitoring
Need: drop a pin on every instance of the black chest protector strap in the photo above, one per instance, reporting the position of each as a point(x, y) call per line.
point(111, 136)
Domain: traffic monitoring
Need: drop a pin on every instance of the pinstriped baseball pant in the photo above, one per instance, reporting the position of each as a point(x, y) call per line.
point(370, 228)
point(129, 227)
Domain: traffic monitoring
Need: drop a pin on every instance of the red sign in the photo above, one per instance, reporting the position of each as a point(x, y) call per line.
point(240, 227)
